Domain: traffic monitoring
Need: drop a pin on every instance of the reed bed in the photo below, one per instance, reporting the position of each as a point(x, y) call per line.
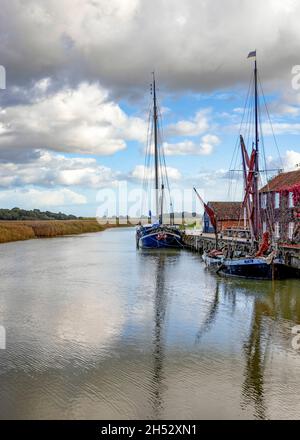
point(25, 230)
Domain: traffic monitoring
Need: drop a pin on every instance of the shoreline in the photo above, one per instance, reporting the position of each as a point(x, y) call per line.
point(19, 230)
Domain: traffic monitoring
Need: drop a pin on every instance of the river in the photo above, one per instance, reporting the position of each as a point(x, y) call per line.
point(96, 329)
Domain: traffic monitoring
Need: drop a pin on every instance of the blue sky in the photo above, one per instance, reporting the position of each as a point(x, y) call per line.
point(74, 111)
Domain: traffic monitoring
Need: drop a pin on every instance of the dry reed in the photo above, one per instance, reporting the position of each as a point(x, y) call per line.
point(24, 230)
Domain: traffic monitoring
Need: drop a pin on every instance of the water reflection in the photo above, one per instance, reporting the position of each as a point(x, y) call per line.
point(211, 315)
point(160, 305)
point(162, 296)
point(274, 305)
point(120, 334)
point(268, 311)
point(253, 386)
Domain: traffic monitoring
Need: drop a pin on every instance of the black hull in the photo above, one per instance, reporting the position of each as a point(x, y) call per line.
point(261, 271)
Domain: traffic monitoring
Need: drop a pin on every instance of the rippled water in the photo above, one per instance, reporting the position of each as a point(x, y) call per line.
point(96, 329)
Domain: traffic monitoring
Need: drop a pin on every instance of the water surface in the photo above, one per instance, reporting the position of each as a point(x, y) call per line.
point(98, 330)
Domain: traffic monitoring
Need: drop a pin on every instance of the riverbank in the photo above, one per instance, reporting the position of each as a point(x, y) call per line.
point(26, 230)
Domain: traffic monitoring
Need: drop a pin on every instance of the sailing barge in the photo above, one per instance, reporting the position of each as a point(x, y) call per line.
point(264, 262)
point(158, 234)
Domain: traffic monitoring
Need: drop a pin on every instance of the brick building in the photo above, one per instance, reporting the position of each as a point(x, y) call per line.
point(228, 216)
point(280, 207)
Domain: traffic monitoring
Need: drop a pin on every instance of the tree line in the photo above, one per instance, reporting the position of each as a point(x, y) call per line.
point(35, 214)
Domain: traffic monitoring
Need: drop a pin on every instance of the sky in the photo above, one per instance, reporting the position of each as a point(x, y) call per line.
point(74, 112)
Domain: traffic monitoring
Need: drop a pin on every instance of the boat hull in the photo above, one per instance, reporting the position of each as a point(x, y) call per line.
point(159, 239)
point(254, 268)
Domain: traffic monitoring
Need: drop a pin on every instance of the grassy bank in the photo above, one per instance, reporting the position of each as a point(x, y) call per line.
point(25, 230)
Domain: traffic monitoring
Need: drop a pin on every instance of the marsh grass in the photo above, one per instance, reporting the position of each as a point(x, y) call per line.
point(25, 230)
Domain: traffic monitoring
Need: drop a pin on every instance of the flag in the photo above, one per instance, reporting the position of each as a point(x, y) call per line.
point(252, 54)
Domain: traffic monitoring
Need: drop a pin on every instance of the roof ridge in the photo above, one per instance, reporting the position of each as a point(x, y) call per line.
point(282, 180)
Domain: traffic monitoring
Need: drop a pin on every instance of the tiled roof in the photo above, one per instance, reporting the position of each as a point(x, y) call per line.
point(282, 180)
point(226, 210)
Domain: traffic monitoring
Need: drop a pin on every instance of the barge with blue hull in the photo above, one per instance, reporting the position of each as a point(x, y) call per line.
point(158, 235)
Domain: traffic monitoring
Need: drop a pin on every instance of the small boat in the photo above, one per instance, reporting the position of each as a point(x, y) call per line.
point(158, 235)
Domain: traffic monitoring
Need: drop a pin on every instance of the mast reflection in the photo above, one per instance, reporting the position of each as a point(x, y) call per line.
point(162, 297)
point(211, 315)
point(271, 308)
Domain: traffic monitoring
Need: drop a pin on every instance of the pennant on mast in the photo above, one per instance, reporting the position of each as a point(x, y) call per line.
point(252, 54)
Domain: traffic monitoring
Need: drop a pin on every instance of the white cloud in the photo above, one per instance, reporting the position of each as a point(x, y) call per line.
point(180, 148)
point(283, 108)
point(291, 160)
point(42, 85)
point(209, 141)
point(82, 120)
point(39, 38)
point(140, 172)
point(288, 161)
point(238, 110)
point(215, 185)
point(205, 147)
point(278, 128)
point(281, 128)
point(32, 197)
point(52, 169)
point(197, 125)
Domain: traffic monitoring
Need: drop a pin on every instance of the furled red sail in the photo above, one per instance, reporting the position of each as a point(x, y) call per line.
point(210, 212)
point(244, 151)
point(265, 244)
point(250, 176)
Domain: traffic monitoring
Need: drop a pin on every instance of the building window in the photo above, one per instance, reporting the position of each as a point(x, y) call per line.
point(263, 201)
point(291, 200)
point(291, 230)
point(277, 230)
point(277, 200)
point(264, 225)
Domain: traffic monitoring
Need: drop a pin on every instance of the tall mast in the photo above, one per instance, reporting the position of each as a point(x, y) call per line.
point(162, 204)
point(256, 169)
point(155, 120)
